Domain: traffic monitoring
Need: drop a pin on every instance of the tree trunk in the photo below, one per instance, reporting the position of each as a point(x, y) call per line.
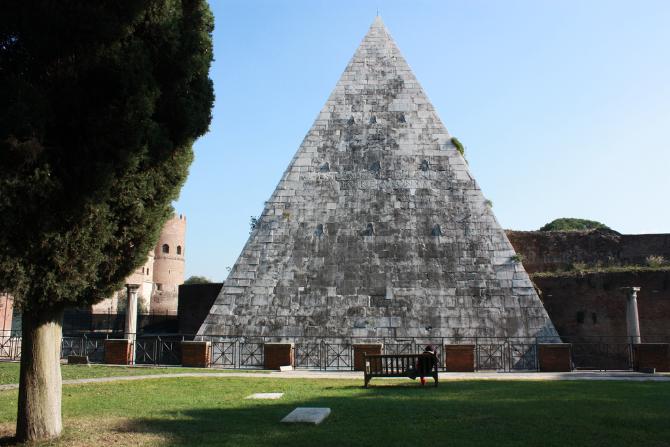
point(40, 387)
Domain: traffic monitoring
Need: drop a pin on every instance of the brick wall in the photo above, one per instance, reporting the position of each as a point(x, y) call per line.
point(554, 250)
point(593, 304)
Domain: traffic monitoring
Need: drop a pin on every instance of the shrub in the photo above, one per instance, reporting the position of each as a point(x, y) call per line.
point(579, 266)
point(458, 145)
point(573, 224)
point(656, 261)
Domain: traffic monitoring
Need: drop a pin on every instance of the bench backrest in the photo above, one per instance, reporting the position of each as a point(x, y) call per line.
point(399, 364)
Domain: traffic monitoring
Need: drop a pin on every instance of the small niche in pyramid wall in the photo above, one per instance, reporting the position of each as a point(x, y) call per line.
point(369, 230)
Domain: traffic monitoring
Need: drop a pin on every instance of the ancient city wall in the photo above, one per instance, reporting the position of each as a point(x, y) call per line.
point(560, 250)
point(593, 304)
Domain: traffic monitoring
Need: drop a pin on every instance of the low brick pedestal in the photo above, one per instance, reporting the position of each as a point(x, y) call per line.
point(278, 354)
point(651, 355)
point(555, 357)
point(118, 352)
point(370, 349)
point(459, 358)
point(196, 354)
point(77, 360)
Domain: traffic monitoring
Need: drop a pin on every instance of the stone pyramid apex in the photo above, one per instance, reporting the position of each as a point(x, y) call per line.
point(378, 22)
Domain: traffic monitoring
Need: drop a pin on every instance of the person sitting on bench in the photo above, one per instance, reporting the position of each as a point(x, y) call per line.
point(426, 363)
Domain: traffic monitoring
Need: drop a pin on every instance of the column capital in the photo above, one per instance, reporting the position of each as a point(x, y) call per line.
point(632, 289)
point(132, 287)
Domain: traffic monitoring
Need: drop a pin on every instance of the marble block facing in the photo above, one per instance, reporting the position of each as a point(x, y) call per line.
point(266, 396)
point(306, 415)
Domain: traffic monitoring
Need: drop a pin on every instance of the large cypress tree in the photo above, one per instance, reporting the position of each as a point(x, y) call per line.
point(100, 103)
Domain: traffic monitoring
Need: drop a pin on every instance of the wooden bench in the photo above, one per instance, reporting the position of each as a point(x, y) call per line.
point(399, 365)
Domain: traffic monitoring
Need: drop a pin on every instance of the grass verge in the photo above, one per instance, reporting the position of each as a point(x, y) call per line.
point(9, 371)
point(213, 412)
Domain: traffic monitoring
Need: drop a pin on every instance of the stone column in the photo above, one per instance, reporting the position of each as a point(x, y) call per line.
point(632, 318)
point(131, 316)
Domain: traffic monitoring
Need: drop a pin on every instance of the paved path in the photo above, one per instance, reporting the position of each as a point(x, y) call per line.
point(356, 375)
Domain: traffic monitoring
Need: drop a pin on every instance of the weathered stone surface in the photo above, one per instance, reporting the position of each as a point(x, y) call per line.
point(393, 239)
point(270, 396)
point(306, 415)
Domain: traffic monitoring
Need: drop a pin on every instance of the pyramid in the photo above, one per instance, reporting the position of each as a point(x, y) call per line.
point(377, 228)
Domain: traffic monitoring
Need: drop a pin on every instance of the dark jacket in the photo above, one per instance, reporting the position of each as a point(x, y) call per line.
point(426, 363)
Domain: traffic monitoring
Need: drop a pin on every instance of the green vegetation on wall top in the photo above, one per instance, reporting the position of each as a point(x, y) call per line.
point(573, 224)
point(197, 280)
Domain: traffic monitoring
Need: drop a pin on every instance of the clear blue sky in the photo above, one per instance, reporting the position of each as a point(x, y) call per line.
point(563, 106)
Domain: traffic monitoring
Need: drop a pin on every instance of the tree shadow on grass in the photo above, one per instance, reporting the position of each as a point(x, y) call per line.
point(458, 414)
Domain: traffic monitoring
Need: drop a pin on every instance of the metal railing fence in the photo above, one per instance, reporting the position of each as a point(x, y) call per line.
point(337, 353)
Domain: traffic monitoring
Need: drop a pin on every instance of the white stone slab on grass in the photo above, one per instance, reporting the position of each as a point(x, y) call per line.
point(266, 396)
point(307, 415)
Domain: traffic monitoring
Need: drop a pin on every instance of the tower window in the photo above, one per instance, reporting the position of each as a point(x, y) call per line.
point(178, 249)
point(166, 248)
point(147, 272)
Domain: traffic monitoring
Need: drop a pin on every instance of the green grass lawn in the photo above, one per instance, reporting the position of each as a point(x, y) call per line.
point(9, 371)
point(213, 412)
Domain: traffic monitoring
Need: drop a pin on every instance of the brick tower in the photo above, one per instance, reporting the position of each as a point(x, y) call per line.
point(168, 268)
point(377, 228)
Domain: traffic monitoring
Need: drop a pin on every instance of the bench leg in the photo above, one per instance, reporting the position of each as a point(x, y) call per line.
point(436, 380)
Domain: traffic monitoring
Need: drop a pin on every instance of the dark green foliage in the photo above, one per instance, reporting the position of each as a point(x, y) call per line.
point(197, 280)
point(254, 222)
point(572, 224)
point(100, 104)
point(458, 145)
